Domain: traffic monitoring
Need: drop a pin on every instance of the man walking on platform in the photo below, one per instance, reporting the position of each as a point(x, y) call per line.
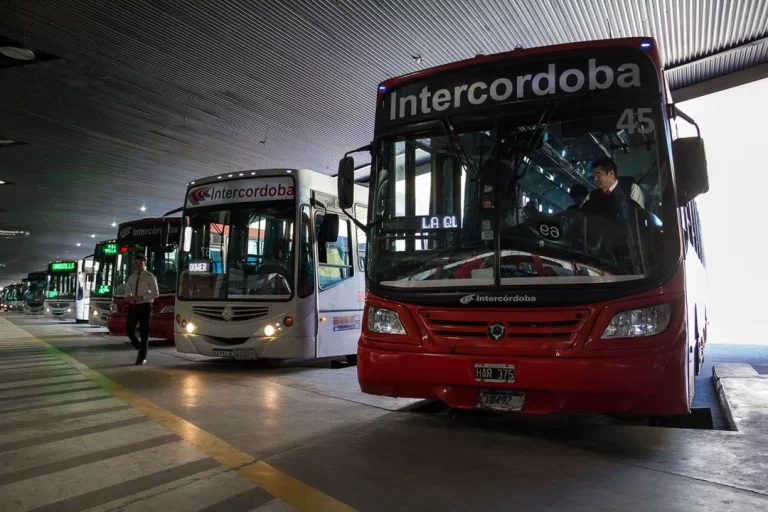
point(140, 291)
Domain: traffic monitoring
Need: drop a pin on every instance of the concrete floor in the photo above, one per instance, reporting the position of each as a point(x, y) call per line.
point(68, 444)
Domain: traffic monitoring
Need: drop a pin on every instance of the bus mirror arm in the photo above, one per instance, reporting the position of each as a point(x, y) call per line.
point(676, 112)
point(359, 224)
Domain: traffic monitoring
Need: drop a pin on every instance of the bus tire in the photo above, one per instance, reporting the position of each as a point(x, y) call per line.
point(352, 359)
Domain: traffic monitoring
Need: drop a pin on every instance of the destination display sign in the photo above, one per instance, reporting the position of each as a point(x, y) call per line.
point(109, 249)
point(63, 266)
point(268, 188)
point(464, 89)
point(423, 223)
point(200, 267)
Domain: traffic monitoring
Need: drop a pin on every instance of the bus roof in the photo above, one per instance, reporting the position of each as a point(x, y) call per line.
point(236, 175)
point(652, 51)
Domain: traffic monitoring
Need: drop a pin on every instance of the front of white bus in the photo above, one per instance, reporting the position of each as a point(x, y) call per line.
point(62, 290)
point(237, 294)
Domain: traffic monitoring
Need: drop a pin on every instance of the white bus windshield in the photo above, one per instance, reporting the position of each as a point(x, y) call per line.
point(240, 252)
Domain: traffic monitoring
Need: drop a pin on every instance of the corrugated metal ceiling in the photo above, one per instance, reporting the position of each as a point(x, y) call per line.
point(149, 94)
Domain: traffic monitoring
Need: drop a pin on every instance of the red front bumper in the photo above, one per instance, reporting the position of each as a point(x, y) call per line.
point(641, 384)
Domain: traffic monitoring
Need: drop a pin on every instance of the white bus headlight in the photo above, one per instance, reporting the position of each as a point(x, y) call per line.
point(113, 307)
point(384, 321)
point(634, 323)
point(190, 327)
point(95, 313)
point(269, 330)
point(168, 308)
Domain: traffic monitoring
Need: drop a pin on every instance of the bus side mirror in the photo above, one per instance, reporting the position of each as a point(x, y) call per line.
point(346, 182)
point(690, 168)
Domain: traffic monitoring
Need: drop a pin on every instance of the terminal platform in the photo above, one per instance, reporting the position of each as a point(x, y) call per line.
point(82, 428)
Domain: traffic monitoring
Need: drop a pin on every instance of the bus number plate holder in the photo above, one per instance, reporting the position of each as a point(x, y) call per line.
point(494, 372)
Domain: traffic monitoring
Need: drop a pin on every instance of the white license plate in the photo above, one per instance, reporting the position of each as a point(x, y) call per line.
point(245, 353)
point(494, 372)
point(500, 400)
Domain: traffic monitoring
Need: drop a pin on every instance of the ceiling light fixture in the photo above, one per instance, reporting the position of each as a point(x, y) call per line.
point(416, 58)
point(143, 208)
point(93, 235)
point(15, 53)
point(114, 224)
point(78, 244)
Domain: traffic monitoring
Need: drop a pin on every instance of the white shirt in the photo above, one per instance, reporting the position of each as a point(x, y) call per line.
point(148, 290)
point(635, 193)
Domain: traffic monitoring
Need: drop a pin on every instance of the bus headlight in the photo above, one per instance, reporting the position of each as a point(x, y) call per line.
point(634, 323)
point(113, 307)
point(168, 308)
point(95, 313)
point(190, 327)
point(384, 321)
point(269, 330)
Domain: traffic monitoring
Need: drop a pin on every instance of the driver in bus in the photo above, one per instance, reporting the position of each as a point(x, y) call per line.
point(606, 177)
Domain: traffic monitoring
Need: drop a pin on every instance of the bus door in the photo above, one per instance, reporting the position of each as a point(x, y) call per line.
point(339, 280)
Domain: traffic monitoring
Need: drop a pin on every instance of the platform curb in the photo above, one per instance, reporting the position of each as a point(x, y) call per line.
point(723, 399)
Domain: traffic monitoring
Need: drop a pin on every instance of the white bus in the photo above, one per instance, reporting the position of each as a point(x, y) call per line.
point(270, 267)
point(68, 290)
point(104, 257)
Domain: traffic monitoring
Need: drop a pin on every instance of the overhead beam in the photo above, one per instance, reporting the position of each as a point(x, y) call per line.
point(720, 83)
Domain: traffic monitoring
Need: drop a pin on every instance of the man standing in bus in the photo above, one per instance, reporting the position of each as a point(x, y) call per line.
point(606, 177)
point(140, 291)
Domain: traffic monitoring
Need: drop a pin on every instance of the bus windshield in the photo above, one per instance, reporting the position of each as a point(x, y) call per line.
point(62, 286)
point(161, 263)
point(241, 252)
point(103, 269)
point(521, 198)
point(36, 289)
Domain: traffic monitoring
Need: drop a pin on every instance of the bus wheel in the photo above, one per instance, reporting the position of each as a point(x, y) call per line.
point(352, 359)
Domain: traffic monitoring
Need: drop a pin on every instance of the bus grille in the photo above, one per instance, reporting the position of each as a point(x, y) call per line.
point(59, 305)
point(470, 328)
point(239, 313)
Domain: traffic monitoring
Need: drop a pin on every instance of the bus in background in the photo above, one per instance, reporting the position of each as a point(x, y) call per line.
point(269, 268)
point(37, 283)
point(68, 292)
point(11, 300)
point(104, 257)
point(487, 287)
point(158, 240)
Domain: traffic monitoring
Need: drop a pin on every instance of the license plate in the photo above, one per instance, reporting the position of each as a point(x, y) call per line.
point(223, 352)
point(500, 400)
point(245, 353)
point(486, 372)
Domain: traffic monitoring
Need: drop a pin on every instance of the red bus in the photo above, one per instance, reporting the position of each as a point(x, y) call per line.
point(158, 239)
point(487, 284)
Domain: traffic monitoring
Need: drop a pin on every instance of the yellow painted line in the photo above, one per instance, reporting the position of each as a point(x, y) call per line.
point(272, 480)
